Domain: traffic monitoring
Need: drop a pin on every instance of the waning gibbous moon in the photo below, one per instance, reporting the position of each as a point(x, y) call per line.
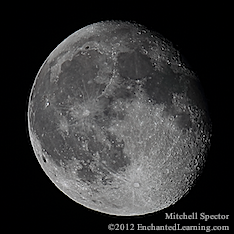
point(117, 121)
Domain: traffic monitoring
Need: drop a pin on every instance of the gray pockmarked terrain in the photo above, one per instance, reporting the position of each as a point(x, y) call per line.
point(117, 120)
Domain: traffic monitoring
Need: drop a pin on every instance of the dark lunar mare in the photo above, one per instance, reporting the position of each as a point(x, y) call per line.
point(72, 82)
point(63, 148)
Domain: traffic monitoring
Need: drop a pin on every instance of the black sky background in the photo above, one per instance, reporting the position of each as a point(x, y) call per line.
point(197, 31)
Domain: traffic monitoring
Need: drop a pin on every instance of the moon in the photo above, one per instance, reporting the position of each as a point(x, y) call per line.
point(118, 121)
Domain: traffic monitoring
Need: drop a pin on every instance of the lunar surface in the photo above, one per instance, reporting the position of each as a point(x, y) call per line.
point(118, 121)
